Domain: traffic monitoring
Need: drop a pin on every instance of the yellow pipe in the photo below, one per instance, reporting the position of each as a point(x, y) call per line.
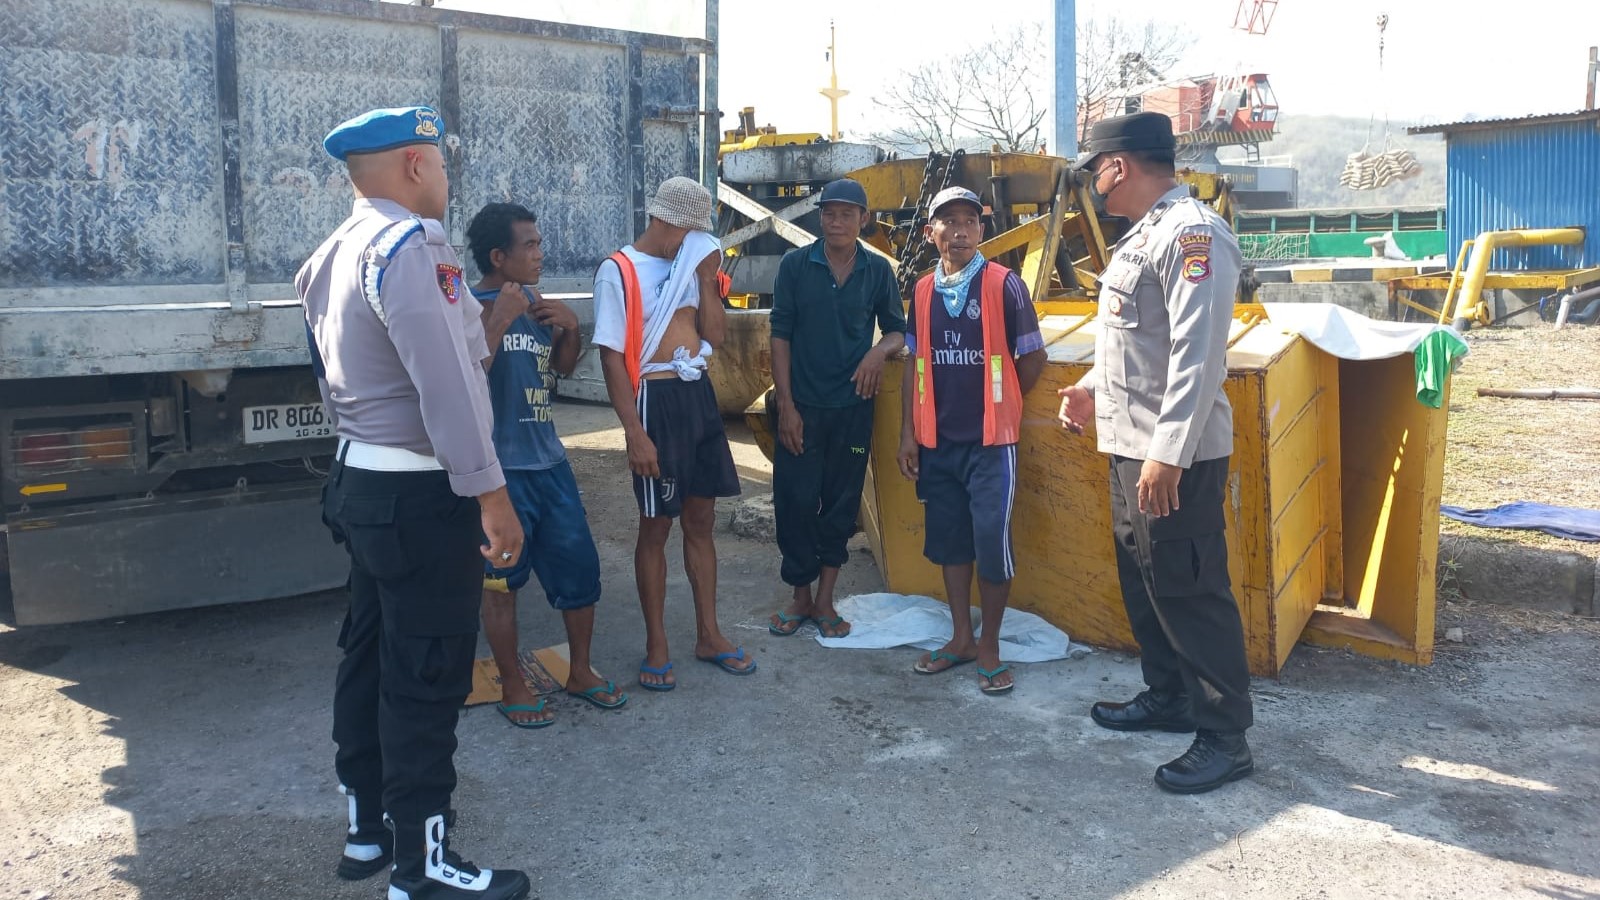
point(1455, 280)
point(1483, 250)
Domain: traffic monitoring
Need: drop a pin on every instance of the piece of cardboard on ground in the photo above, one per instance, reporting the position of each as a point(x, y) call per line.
point(544, 671)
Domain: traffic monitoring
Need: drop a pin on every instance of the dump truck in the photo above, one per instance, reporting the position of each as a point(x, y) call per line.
point(162, 437)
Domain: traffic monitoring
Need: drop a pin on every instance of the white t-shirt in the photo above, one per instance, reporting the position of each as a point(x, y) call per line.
point(611, 309)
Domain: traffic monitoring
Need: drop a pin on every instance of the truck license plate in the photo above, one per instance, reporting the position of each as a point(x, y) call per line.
point(288, 422)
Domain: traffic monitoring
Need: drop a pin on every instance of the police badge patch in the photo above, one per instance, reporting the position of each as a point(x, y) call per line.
point(1196, 250)
point(427, 123)
point(450, 282)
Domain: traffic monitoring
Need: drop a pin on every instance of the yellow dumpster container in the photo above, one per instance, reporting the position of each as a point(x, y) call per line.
point(741, 369)
point(1332, 514)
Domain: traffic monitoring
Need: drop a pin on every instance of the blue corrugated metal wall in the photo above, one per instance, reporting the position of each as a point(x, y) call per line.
point(1540, 176)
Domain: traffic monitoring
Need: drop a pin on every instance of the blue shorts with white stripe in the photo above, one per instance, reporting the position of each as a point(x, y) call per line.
point(968, 492)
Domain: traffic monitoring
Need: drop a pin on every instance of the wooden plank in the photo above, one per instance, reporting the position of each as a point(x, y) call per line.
point(1392, 471)
point(1331, 422)
point(1297, 602)
point(1292, 385)
point(1297, 463)
point(1345, 631)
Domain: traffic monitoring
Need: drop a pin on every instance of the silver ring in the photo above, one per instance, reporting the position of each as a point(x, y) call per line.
point(505, 554)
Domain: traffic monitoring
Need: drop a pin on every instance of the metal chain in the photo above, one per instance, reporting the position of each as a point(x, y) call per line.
point(915, 254)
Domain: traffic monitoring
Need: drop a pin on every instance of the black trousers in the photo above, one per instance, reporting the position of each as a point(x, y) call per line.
point(409, 639)
point(816, 496)
point(1174, 575)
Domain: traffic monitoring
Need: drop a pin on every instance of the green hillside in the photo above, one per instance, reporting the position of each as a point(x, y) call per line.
point(1319, 145)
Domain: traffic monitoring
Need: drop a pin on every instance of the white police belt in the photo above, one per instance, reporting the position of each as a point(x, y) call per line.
point(385, 459)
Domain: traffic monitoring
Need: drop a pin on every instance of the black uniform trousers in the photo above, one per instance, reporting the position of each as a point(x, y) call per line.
point(409, 638)
point(816, 495)
point(1175, 585)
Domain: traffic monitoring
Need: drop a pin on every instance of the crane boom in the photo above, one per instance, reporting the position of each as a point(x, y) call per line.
point(1255, 16)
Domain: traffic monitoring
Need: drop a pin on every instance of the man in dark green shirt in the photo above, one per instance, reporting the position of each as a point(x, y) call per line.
point(825, 372)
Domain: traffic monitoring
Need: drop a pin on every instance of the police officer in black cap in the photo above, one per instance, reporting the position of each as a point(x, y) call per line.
point(416, 494)
point(1155, 396)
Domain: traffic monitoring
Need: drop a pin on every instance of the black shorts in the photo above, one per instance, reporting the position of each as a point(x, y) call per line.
point(967, 492)
point(682, 420)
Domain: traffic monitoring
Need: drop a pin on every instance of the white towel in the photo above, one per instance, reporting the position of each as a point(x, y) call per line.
point(680, 290)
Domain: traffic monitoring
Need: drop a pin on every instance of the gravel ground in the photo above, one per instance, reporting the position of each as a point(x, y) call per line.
point(186, 756)
point(1505, 449)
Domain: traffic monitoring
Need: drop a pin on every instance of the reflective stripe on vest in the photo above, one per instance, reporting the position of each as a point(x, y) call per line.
point(633, 308)
point(1002, 400)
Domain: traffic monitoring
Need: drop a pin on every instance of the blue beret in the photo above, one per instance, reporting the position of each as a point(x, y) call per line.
point(385, 129)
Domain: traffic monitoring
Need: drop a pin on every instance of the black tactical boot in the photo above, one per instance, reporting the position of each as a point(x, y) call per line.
point(1214, 759)
point(425, 868)
point(368, 843)
point(1150, 711)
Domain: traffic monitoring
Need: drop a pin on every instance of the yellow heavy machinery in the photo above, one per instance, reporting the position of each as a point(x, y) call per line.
point(1334, 481)
point(1464, 286)
point(748, 136)
point(771, 180)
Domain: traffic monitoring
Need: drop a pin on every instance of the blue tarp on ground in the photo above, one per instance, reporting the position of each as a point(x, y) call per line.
point(1561, 521)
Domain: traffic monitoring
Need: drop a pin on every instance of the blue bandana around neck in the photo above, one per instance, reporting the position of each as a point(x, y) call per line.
point(953, 288)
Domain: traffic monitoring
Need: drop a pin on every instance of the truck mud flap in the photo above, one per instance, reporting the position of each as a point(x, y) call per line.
point(172, 552)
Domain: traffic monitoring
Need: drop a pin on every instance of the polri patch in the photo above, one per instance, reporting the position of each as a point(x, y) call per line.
point(1196, 250)
point(450, 282)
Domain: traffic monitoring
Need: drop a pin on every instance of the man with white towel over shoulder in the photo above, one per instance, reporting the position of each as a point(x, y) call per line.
point(658, 317)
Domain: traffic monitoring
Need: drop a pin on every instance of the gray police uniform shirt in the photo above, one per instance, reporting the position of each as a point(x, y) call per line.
point(1166, 303)
point(401, 343)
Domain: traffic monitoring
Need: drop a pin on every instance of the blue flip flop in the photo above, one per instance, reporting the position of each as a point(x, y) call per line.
point(935, 656)
point(646, 667)
point(989, 676)
point(507, 709)
point(786, 619)
point(721, 662)
point(591, 694)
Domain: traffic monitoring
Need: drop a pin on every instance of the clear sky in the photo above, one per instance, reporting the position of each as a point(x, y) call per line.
point(1440, 63)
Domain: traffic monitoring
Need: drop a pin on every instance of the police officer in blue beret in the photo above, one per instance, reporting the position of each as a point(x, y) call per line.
point(1155, 395)
point(414, 492)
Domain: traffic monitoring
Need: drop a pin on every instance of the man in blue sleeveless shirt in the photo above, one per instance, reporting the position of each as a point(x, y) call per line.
point(531, 339)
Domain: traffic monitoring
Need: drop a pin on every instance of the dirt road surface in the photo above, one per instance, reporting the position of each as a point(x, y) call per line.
point(187, 756)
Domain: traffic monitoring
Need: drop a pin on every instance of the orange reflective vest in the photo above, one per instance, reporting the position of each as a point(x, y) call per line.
point(633, 306)
point(633, 309)
point(1002, 407)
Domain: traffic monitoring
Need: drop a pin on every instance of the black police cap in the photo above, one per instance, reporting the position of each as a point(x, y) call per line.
point(1139, 131)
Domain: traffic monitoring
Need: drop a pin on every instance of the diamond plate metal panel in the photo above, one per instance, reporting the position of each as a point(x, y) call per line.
point(116, 178)
point(120, 180)
point(667, 145)
point(300, 75)
point(664, 154)
point(542, 125)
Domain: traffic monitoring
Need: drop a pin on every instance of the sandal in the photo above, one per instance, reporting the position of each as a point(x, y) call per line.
point(988, 675)
point(607, 688)
point(923, 667)
point(646, 667)
point(721, 662)
point(507, 709)
point(785, 619)
point(834, 622)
